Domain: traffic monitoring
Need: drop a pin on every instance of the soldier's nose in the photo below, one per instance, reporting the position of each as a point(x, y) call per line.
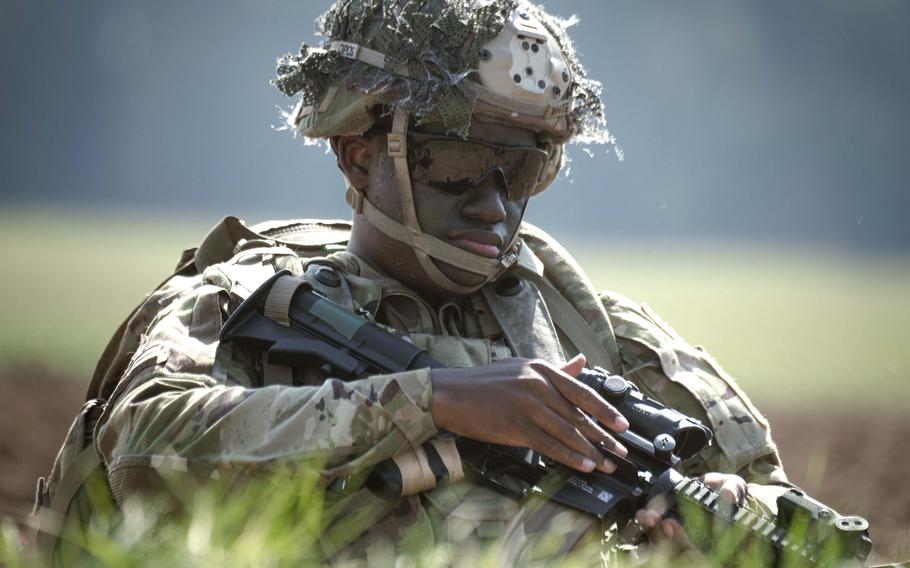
point(486, 202)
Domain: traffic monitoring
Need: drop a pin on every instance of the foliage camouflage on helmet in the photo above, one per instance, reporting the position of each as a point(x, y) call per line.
point(439, 43)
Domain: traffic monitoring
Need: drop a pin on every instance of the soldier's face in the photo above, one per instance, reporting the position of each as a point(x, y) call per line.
point(478, 215)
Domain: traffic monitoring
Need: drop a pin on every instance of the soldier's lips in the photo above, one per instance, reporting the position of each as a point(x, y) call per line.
point(482, 243)
point(483, 249)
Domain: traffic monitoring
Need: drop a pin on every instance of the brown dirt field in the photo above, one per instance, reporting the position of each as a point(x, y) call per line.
point(857, 463)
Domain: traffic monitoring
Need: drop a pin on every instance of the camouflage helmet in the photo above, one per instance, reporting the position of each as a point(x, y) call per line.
point(443, 61)
point(446, 62)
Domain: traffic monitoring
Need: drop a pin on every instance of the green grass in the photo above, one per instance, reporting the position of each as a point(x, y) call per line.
point(284, 518)
point(238, 521)
point(70, 279)
point(799, 326)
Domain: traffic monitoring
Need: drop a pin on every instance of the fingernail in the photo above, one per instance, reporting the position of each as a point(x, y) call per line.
point(668, 530)
point(587, 464)
point(612, 446)
point(621, 422)
point(620, 450)
point(607, 466)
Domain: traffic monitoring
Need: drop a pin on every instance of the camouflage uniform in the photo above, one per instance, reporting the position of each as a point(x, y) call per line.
point(185, 401)
point(178, 400)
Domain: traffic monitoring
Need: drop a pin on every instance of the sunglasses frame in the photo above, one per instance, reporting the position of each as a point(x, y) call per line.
point(419, 137)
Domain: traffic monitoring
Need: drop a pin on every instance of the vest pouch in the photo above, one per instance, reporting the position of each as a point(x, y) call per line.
point(459, 351)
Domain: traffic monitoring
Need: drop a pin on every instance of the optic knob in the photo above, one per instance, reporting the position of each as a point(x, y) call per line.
point(664, 444)
point(615, 388)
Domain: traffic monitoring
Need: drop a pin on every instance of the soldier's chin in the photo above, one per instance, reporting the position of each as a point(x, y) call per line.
point(459, 275)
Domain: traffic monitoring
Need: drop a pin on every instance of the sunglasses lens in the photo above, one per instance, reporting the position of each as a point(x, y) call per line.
point(457, 164)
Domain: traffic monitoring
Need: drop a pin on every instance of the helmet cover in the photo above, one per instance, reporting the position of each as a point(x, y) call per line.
point(443, 61)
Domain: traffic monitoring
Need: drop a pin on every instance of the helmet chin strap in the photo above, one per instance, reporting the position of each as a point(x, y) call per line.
point(426, 247)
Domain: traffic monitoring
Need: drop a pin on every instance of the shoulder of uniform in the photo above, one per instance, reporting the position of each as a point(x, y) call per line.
point(559, 266)
point(614, 301)
point(229, 249)
point(538, 239)
point(741, 431)
point(312, 233)
point(632, 319)
point(306, 237)
point(639, 323)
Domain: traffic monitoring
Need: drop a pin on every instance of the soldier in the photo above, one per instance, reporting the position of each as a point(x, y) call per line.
point(445, 117)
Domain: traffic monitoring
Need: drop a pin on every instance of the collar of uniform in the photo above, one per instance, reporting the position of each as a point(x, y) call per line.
point(392, 303)
point(388, 300)
point(353, 265)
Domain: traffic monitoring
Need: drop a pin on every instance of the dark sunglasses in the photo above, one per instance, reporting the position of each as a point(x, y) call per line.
point(454, 164)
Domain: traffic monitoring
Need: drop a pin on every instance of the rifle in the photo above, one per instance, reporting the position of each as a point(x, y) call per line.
point(291, 325)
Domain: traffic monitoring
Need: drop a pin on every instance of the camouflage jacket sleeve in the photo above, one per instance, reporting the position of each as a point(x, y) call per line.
point(183, 398)
point(687, 378)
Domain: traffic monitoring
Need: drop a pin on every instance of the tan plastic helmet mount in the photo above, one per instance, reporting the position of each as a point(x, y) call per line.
point(426, 247)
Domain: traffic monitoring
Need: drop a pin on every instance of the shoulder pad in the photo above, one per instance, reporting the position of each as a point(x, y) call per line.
point(306, 237)
point(316, 233)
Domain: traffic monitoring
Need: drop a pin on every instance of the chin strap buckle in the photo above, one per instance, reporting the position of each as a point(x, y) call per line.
point(397, 144)
point(511, 256)
point(354, 197)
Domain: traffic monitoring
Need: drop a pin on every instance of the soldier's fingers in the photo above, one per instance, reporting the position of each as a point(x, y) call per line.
point(660, 504)
point(587, 399)
point(651, 525)
point(575, 365)
point(588, 427)
point(647, 518)
point(734, 491)
point(662, 530)
point(558, 443)
point(673, 529)
point(732, 488)
point(592, 431)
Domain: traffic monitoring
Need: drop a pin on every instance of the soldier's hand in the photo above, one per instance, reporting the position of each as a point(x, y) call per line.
point(529, 403)
point(669, 531)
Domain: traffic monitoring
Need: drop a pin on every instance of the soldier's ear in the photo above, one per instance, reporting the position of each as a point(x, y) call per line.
point(355, 157)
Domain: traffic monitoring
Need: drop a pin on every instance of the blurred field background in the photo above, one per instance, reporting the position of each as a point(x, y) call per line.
point(760, 208)
point(799, 327)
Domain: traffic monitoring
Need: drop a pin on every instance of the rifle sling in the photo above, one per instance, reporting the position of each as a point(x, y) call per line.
point(578, 330)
